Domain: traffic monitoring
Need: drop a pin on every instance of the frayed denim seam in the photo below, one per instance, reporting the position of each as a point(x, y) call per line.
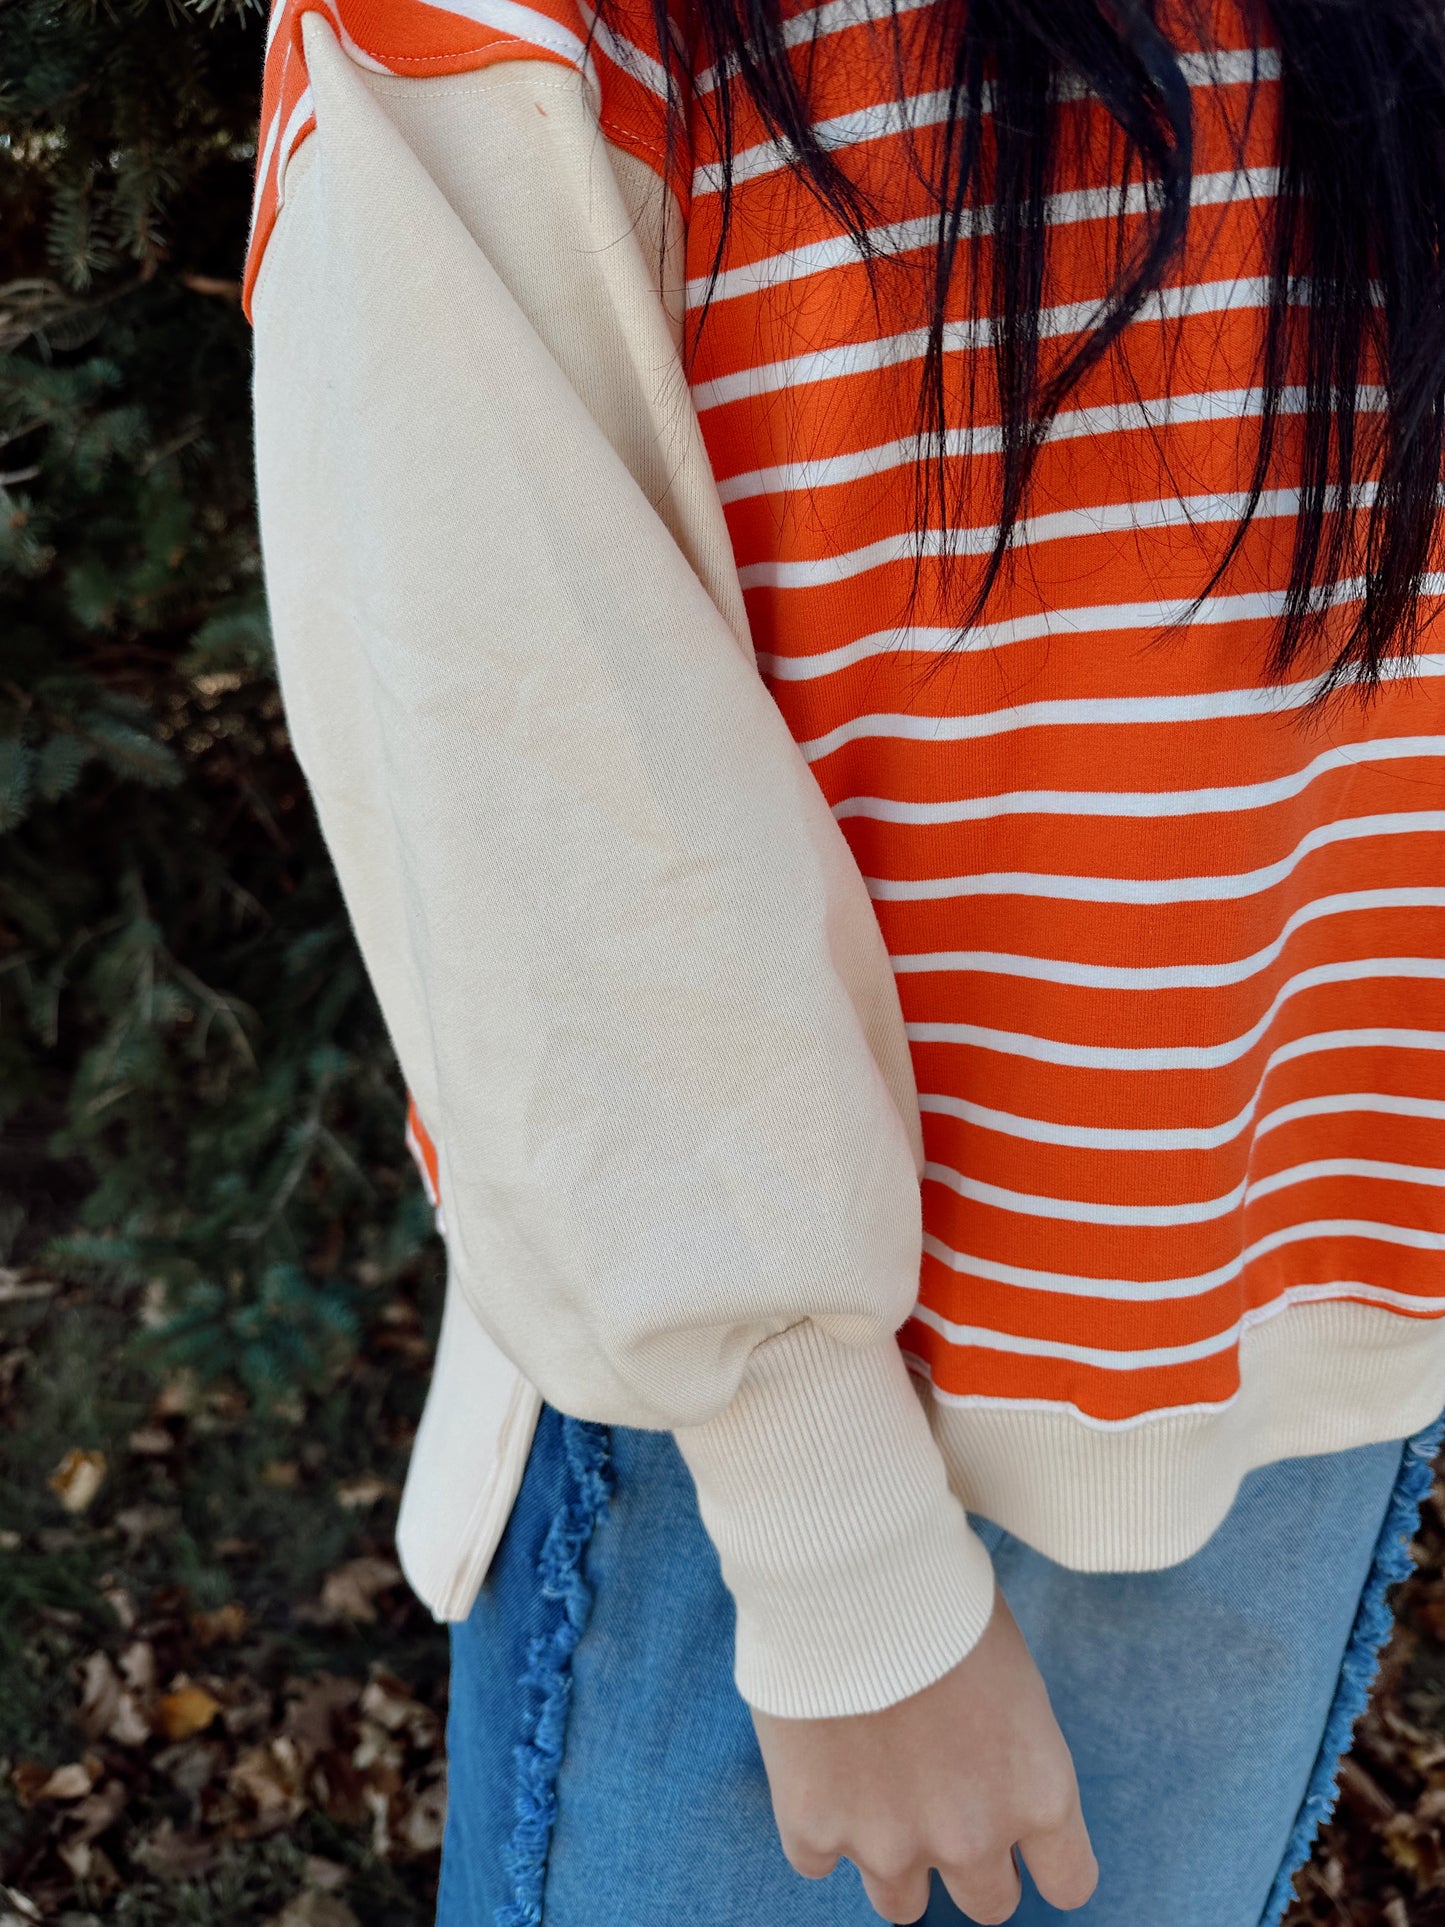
point(1361, 1662)
point(547, 1680)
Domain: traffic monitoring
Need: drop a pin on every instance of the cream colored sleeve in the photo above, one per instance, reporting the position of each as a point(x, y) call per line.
point(629, 966)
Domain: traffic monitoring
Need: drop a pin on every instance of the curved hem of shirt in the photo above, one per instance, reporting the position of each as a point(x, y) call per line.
point(1320, 1377)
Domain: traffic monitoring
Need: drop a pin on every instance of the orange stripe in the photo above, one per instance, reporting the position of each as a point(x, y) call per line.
point(423, 1150)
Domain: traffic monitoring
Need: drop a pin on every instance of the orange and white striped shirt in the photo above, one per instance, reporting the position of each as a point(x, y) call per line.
point(1173, 967)
point(1169, 954)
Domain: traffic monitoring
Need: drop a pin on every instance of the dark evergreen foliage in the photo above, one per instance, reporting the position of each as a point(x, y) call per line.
point(196, 1093)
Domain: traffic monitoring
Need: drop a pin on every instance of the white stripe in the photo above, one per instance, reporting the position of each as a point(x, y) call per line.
point(626, 53)
point(1064, 209)
point(506, 16)
point(1172, 303)
point(268, 148)
point(872, 122)
point(1147, 977)
point(1163, 1355)
point(928, 110)
point(1386, 1103)
point(1033, 1204)
point(834, 16)
point(1381, 1170)
point(1377, 1037)
point(1179, 1057)
point(1341, 1290)
point(413, 1144)
point(1148, 803)
point(521, 22)
point(1207, 1137)
point(1148, 1291)
point(1095, 712)
point(1198, 1408)
point(1100, 619)
point(352, 50)
point(1070, 424)
point(302, 112)
point(1106, 518)
point(1227, 887)
point(1088, 620)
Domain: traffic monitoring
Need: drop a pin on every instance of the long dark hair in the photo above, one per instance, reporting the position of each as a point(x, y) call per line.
point(1357, 272)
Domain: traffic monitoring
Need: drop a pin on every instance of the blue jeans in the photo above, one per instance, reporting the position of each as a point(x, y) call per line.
point(604, 1771)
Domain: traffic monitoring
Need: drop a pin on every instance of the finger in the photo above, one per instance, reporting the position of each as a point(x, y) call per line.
point(813, 1863)
point(901, 1898)
point(1062, 1862)
point(988, 1891)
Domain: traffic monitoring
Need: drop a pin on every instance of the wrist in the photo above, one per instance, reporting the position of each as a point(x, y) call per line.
point(857, 1578)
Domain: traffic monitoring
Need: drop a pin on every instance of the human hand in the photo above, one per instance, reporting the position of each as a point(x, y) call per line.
point(951, 1778)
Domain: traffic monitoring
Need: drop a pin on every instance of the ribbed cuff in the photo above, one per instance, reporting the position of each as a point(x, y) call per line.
point(857, 1577)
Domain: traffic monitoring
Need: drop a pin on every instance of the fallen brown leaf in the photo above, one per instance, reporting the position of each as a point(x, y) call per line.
point(315, 1707)
point(323, 1874)
point(222, 1625)
point(352, 1589)
point(378, 1803)
point(177, 1856)
point(377, 1752)
point(138, 1664)
point(78, 1478)
point(34, 1783)
point(353, 1494)
point(190, 1765)
point(389, 1701)
point(121, 1604)
point(177, 1398)
point(270, 1777)
point(339, 1790)
point(425, 1822)
point(130, 1727)
point(248, 1708)
point(91, 1864)
point(18, 1285)
point(100, 1694)
point(27, 1777)
point(1363, 1791)
point(109, 1710)
point(97, 1811)
point(190, 1709)
point(142, 1522)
